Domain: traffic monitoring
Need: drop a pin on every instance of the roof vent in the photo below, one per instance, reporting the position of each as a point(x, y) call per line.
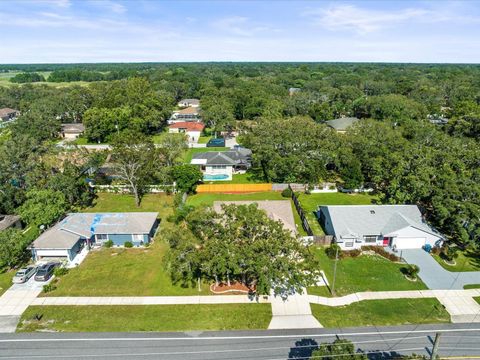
point(372, 212)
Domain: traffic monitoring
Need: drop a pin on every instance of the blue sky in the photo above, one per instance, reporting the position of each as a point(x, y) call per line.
point(146, 30)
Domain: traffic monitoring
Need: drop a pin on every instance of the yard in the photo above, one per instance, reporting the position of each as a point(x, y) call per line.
point(111, 202)
point(209, 198)
point(382, 313)
point(466, 261)
point(146, 318)
point(311, 202)
point(363, 273)
point(189, 153)
point(6, 280)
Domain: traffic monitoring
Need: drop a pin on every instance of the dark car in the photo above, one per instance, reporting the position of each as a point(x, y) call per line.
point(45, 272)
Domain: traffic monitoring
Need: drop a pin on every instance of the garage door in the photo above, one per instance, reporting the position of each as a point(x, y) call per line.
point(410, 242)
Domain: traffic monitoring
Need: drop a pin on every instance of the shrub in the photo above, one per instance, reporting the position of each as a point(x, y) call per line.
point(412, 271)
point(287, 193)
point(436, 250)
point(60, 271)
point(351, 253)
point(49, 287)
point(128, 244)
point(108, 244)
point(382, 252)
point(331, 251)
point(449, 253)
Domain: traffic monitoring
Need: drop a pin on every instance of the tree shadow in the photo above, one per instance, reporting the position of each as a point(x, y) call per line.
point(303, 349)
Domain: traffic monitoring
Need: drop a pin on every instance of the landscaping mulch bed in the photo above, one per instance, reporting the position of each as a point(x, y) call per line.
point(234, 287)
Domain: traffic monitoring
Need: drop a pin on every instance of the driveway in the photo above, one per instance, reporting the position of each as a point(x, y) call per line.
point(435, 276)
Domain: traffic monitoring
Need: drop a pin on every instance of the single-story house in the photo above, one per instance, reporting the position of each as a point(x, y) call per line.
point(278, 210)
point(193, 130)
point(395, 226)
point(8, 114)
point(221, 165)
point(72, 131)
point(293, 90)
point(10, 221)
point(188, 114)
point(69, 236)
point(340, 125)
point(189, 103)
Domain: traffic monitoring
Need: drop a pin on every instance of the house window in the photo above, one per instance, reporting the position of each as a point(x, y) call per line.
point(370, 238)
point(137, 237)
point(101, 237)
point(349, 244)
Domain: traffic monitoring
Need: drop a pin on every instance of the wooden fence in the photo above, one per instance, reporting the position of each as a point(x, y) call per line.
point(233, 188)
point(301, 213)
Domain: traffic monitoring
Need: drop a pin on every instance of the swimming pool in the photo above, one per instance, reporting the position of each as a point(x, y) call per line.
point(212, 177)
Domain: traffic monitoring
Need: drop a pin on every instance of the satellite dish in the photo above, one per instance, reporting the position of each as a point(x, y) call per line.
point(42, 227)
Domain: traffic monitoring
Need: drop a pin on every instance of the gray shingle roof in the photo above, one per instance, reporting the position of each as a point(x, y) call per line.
point(74, 128)
point(341, 124)
point(233, 157)
point(359, 220)
point(67, 232)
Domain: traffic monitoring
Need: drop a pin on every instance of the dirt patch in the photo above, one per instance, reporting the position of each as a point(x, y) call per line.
point(233, 288)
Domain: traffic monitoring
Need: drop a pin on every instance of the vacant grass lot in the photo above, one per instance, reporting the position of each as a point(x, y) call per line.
point(146, 318)
point(189, 153)
point(382, 313)
point(363, 273)
point(6, 280)
point(209, 198)
point(466, 261)
point(110, 202)
point(310, 204)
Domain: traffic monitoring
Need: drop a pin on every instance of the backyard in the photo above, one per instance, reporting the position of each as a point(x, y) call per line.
point(363, 273)
point(110, 202)
point(382, 313)
point(146, 318)
point(311, 202)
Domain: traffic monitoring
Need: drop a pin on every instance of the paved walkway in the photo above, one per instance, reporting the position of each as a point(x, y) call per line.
point(435, 276)
point(293, 313)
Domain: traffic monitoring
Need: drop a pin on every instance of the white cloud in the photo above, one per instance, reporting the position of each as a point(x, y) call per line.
point(110, 6)
point(241, 26)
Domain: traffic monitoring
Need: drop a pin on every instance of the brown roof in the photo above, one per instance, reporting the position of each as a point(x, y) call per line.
point(188, 125)
point(188, 110)
point(7, 111)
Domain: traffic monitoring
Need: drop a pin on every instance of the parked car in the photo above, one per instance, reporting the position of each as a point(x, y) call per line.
point(23, 275)
point(45, 272)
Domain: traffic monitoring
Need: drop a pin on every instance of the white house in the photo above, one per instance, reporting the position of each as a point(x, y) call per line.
point(193, 130)
point(72, 131)
point(221, 165)
point(189, 103)
point(395, 226)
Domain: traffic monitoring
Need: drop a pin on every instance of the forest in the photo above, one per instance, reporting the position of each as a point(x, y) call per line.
point(394, 148)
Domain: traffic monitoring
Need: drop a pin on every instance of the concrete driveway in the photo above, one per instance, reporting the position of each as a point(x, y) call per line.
point(435, 276)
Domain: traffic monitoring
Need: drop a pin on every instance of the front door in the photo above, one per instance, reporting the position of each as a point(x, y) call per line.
point(386, 241)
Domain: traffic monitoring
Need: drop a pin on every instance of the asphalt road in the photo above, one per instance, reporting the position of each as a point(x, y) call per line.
point(379, 343)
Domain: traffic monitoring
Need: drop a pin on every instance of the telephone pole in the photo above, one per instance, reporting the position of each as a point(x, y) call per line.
point(335, 272)
point(436, 342)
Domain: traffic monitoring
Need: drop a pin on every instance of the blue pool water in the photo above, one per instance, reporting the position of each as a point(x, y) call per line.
point(215, 177)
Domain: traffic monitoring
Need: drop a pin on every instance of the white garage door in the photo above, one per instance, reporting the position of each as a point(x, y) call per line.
point(410, 242)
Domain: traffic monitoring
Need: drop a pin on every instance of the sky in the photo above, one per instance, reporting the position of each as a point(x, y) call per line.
point(59, 31)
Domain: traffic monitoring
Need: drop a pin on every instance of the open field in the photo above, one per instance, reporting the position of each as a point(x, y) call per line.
point(382, 313)
point(146, 318)
point(6, 280)
point(110, 202)
point(311, 202)
point(466, 261)
point(363, 273)
point(5, 80)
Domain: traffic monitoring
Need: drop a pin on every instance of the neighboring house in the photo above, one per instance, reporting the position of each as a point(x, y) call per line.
point(189, 103)
point(68, 237)
point(437, 119)
point(221, 165)
point(72, 131)
point(341, 124)
point(8, 115)
point(188, 114)
point(278, 210)
point(396, 226)
point(193, 130)
point(293, 90)
point(10, 221)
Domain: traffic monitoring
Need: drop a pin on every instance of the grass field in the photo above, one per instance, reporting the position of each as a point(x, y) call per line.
point(5, 80)
point(189, 153)
point(5, 280)
point(382, 313)
point(363, 273)
point(204, 139)
point(311, 202)
point(466, 261)
point(209, 198)
point(146, 318)
point(246, 178)
point(110, 202)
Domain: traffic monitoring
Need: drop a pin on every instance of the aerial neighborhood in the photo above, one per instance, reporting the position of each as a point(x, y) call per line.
point(265, 200)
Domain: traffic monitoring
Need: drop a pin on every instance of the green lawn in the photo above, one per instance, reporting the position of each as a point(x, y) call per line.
point(311, 202)
point(209, 198)
point(189, 153)
point(382, 313)
point(204, 139)
point(123, 272)
point(246, 178)
point(466, 261)
point(146, 318)
point(363, 273)
point(6, 280)
point(111, 202)
point(82, 141)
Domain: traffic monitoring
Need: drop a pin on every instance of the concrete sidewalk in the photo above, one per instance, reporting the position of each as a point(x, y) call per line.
point(293, 313)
